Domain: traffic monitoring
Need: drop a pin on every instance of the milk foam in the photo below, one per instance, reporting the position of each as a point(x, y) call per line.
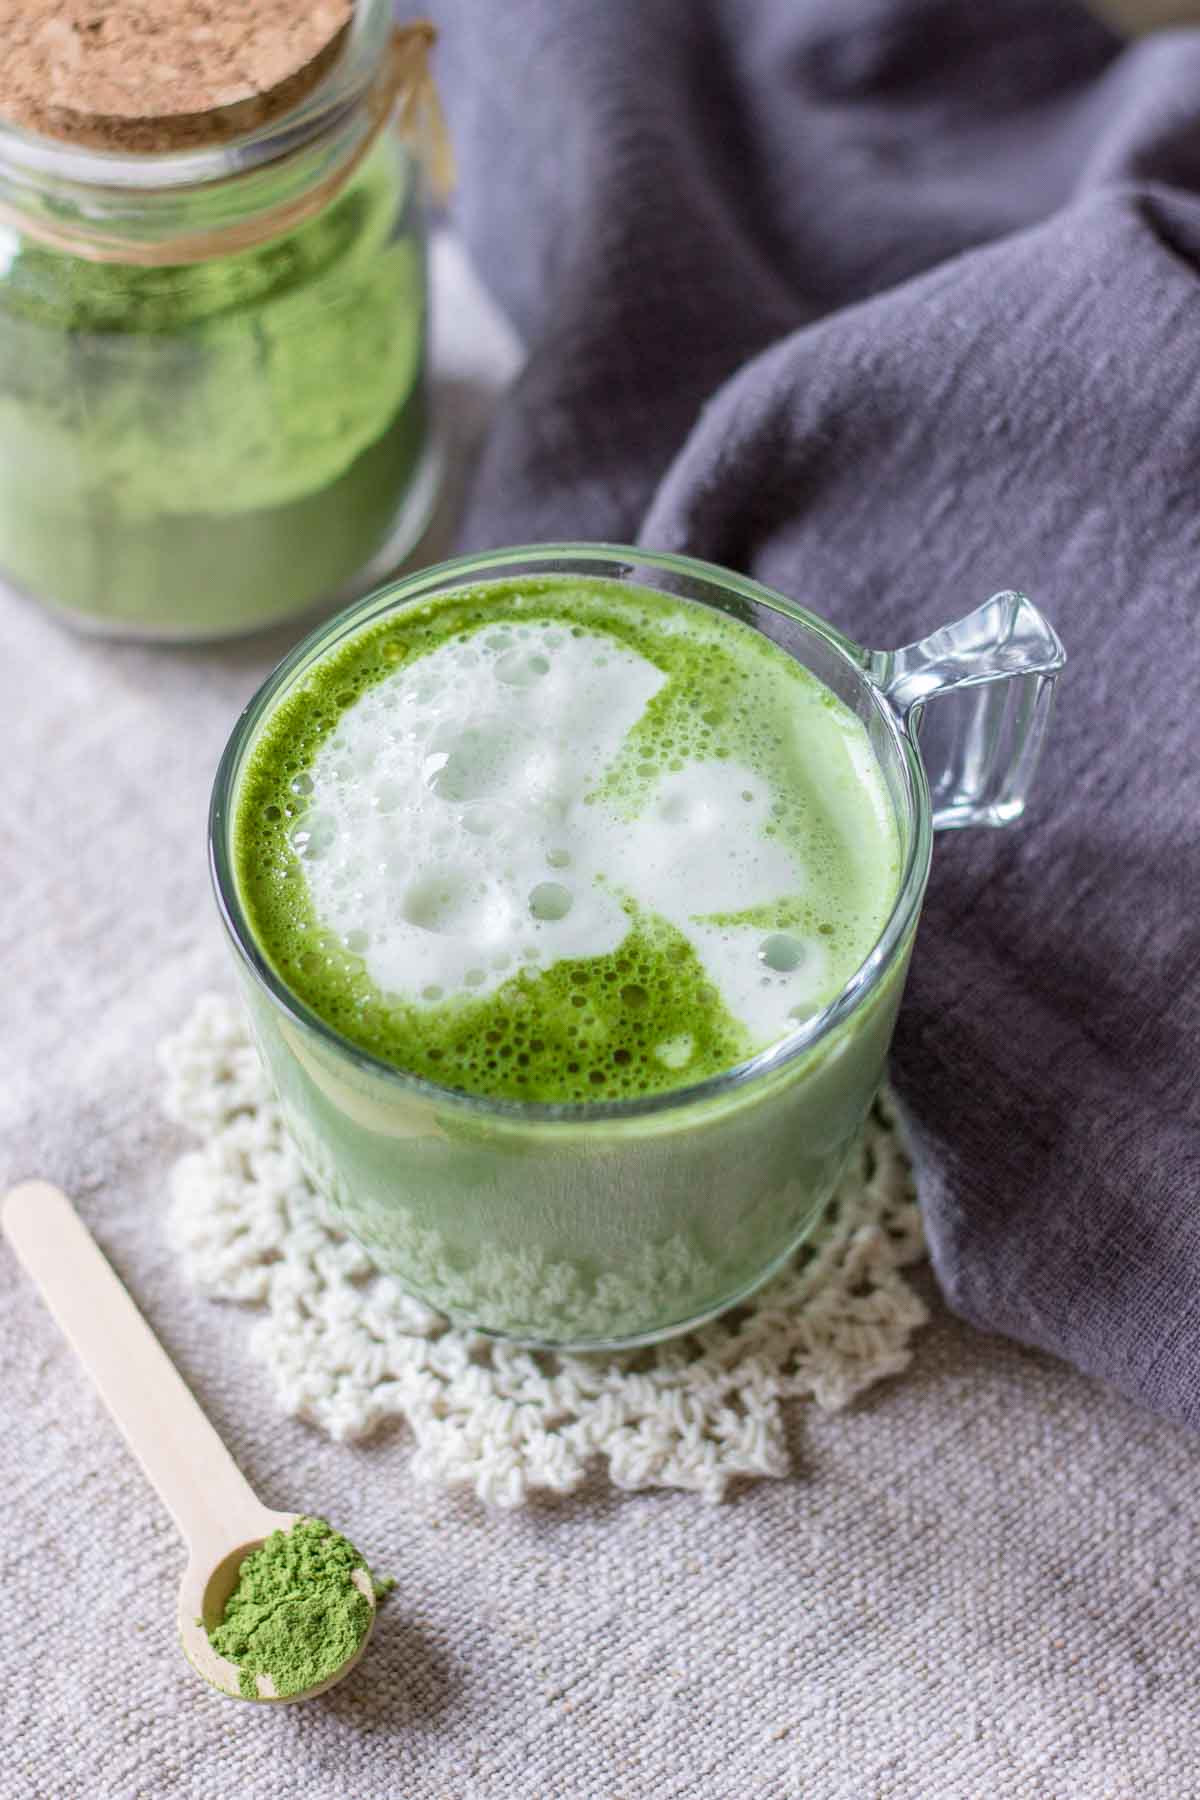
point(455, 830)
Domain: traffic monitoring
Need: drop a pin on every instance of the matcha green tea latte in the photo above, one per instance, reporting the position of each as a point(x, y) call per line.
point(212, 360)
point(573, 890)
point(566, 900)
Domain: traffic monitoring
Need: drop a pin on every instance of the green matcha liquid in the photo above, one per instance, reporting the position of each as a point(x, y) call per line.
point(555, 845)
point(196, 450)
point(461, 763)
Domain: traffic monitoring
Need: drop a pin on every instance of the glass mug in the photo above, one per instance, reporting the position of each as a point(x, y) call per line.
point(599, 1225)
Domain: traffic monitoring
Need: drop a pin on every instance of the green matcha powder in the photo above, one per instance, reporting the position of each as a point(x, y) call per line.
point(296, 1614)
point(200, 449)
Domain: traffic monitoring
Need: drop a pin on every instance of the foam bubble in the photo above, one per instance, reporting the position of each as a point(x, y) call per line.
point(550, 900)
point(781, 952)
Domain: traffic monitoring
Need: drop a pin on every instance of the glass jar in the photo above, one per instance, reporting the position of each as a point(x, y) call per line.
point(213, 406)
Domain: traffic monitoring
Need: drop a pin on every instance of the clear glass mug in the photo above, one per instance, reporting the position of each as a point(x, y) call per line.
point(601, 1225)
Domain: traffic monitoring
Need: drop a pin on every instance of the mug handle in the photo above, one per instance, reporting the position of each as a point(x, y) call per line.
point(991, 676)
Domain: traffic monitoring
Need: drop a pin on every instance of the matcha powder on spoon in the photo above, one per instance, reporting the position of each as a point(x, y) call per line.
point(296, 1614)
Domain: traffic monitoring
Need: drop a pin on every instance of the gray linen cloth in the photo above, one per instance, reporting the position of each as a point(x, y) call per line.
point(893, 303)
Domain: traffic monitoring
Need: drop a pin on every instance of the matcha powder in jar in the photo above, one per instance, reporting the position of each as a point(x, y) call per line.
point(213, 410)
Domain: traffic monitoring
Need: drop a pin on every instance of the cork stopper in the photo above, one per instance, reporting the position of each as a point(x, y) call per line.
point(155, 75)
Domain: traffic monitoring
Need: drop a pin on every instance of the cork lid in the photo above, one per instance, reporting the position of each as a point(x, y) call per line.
point(161, 74)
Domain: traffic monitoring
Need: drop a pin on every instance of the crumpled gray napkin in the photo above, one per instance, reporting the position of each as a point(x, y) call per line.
point(894, 303)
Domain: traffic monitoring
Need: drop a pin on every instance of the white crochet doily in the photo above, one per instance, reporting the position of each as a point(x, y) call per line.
point(347, 1349)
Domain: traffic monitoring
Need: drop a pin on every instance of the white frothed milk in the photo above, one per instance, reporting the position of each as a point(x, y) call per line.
point(455, 830)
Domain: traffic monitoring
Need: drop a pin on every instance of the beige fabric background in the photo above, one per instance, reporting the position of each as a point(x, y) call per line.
point(981, 1582)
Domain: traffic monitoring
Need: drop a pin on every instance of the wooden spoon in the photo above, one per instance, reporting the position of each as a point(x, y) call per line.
point(218, 1514)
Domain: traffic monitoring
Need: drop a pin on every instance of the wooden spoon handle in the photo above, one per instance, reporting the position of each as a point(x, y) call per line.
point(197, 1479)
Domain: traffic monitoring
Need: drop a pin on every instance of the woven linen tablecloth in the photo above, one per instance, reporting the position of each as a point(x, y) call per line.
point(981, 1582)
